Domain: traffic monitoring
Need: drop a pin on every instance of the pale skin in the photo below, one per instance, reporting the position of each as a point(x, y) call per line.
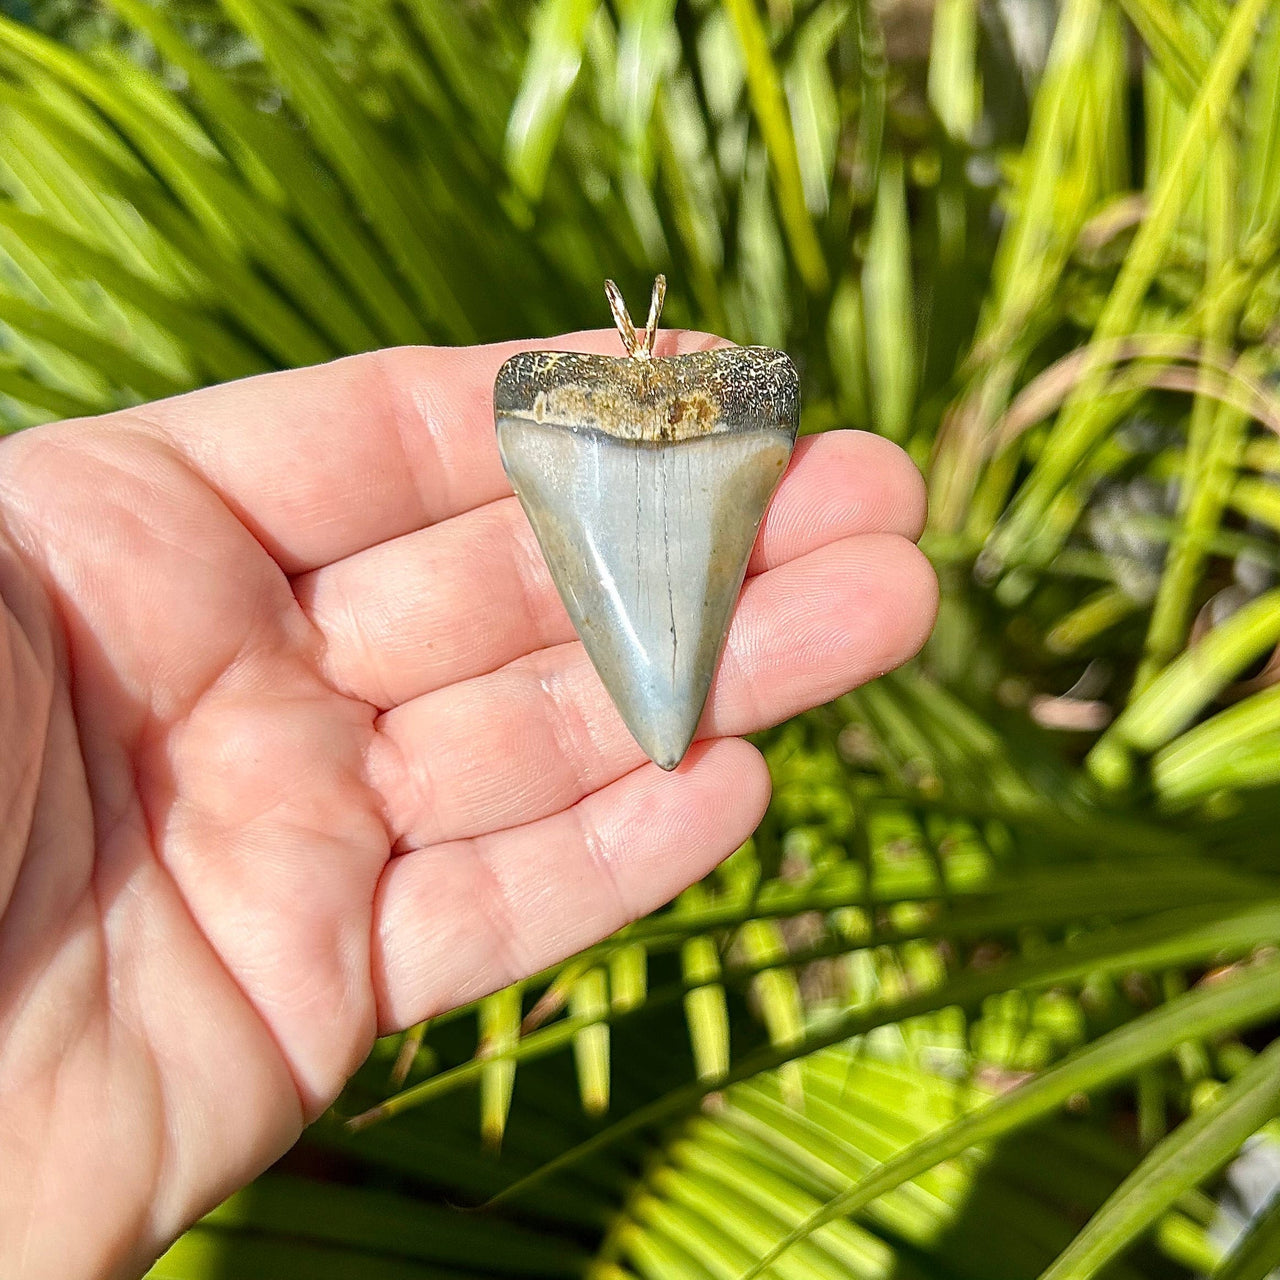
point(298, 748)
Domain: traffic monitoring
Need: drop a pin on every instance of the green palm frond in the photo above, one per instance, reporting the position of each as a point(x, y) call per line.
point(1046, 851)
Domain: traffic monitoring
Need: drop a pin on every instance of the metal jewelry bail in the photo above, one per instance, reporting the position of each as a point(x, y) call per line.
point(641, 348)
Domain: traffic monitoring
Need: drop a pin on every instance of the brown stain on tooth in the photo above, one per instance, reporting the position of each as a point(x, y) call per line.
point(693, 414)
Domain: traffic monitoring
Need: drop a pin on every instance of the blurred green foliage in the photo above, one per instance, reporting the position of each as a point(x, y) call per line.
point(1039, 245)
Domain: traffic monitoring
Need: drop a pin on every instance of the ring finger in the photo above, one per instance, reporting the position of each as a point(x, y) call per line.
point(538, 735)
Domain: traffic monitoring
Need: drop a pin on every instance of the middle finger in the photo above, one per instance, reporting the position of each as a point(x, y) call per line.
point(467, 596)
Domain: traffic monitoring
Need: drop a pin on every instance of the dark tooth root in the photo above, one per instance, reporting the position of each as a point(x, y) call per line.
point(669, 398)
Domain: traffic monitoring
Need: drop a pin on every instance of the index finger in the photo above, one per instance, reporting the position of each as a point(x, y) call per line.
point(323, 462)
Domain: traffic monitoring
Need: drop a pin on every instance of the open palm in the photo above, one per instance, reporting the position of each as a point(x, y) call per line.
point(299, 747)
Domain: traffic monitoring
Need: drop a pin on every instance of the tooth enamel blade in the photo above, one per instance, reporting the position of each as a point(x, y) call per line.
point(645, 483)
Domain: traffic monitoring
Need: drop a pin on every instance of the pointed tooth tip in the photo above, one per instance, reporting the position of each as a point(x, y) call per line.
point(667, 755)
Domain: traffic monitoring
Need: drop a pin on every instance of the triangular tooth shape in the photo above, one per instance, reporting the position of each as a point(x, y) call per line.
point(647, 529)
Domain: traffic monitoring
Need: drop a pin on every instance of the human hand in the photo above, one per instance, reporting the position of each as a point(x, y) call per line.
point(300, 748)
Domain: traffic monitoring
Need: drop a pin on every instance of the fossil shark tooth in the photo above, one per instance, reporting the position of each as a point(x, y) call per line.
point(645, 480)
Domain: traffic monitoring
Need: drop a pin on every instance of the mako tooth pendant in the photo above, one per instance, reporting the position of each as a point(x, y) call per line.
point(645, 479)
